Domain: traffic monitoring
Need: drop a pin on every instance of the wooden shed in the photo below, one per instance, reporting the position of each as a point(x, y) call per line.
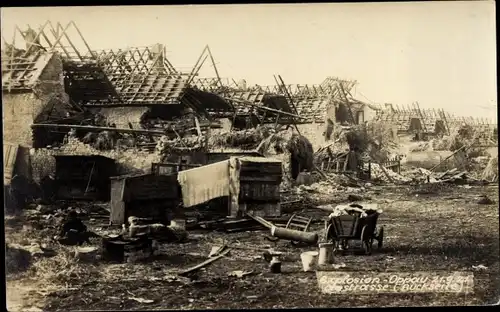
point(145, 196)
point(83, 177)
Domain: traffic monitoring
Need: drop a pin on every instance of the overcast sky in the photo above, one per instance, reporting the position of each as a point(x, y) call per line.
point(441, 54)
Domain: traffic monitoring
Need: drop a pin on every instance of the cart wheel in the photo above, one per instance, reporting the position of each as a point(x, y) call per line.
point(365, 241)
point(340, 245)
point(380, 238)
point(336, 245)
point(328, 233)
point(345, 244)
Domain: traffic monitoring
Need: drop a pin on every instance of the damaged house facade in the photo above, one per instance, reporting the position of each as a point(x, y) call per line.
point(32, 92)
point(417, 122)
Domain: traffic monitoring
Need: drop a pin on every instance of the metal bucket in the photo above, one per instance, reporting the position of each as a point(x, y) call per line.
point(309, 260)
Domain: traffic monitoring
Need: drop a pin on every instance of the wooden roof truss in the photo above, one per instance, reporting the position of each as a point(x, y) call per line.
point(143, 75)
point(312, 101)
point(21, 71)
point(20, 66)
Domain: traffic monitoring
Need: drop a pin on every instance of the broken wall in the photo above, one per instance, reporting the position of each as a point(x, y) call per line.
point(369, 113)
point(314, 132)
point(128, 161)
point(122, 116)
point(18, 116)
point(21, 110)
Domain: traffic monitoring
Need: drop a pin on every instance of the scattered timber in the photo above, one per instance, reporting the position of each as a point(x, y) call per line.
point(204, 263)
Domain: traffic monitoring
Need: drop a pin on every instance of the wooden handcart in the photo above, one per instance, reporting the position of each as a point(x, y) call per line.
point(342, 229)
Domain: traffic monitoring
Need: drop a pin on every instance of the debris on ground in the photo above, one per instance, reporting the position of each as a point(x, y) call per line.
point(88, 254)
point(17, 259)
point(354, 197)
point(490, 172)
point(485, 200)
point(141, 300)
point(220, 254)
point(239, 273)
point(127, 249)
point(479, 267)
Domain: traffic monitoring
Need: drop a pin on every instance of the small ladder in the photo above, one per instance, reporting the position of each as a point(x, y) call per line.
point(299, 223)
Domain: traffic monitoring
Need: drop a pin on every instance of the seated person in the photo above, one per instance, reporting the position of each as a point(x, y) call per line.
point(73, 231)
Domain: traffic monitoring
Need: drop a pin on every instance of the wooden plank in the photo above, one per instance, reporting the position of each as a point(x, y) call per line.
point(272, 179)
point(10, 152)
point(204, 263)
point(117, 215)
point(234, 188)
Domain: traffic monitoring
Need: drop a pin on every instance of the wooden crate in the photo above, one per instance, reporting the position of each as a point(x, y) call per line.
point(255, 186)
point(144, 195)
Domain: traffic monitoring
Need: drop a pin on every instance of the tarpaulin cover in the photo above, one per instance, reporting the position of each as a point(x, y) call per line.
point(202, 184)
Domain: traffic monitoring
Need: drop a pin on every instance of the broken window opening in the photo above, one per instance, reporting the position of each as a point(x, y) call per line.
point(342, 113)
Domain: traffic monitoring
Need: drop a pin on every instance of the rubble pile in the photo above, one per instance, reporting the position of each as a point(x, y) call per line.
point(165, 145)
point(444, 143)
point(247, 139)
point(452, 176)
point(490, 173)
point(378, 174)
point(321, 187)
point(128, 160)
point(324, 190)
point(417, 174)
point(421, 147)
point(376, 139)
point(342, 210)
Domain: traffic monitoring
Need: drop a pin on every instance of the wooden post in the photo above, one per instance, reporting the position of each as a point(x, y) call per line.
point(234, 188)
point(346, 161)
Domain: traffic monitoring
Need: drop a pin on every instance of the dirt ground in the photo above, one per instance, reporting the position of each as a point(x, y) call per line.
point(449, 231)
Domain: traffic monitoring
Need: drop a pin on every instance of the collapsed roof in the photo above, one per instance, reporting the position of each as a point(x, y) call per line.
point(265, 104)
point(140, 76)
